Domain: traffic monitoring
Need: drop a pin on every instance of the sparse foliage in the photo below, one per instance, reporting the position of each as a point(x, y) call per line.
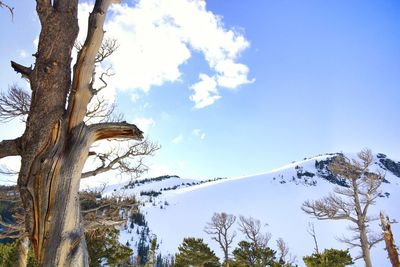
point(285, 257)
point(14, 103)
point(311, 231)
point(251, 228)
point(352, 203)
point(219, 230)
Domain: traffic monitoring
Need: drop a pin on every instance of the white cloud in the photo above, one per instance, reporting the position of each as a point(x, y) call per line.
point(231, 74)
point(157, 36)
point(177, 139)
point(205, 91)
point(199, 133)
point(144, 124)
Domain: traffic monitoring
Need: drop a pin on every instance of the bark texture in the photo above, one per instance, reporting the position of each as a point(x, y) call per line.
point(389, 241)
point(56, 141)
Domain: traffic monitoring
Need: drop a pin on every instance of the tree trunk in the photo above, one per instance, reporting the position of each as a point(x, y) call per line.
point(365, 246)
point(23, 249)
point(389, 241)
point(56, 141)
point(361, 224)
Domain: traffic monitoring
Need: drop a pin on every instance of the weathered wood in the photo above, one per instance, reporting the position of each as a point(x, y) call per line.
point(81, 92)
point(10, 148)
point(389, 241)
point(56, 141)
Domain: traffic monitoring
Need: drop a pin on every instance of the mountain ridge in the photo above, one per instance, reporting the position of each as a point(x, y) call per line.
point(274, 197)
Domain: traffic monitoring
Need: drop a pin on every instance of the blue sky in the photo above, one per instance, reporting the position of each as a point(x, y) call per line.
point(307, 77)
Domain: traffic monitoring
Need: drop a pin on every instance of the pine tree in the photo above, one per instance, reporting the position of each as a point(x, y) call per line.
point(151, 255)
point(194, 252)
point(9, 255)
point(247, 254)
point(328, 258)
point(143, 248)
point(103, 244)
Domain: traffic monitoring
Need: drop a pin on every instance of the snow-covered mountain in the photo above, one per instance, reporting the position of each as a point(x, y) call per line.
point(175, 208)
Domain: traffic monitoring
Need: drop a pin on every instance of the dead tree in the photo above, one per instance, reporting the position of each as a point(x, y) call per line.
point(351, 203)
point(251, 228)
point(311, 231)
point(56, 140)
point(389, 241)
point(219, 230)
point(284, 256)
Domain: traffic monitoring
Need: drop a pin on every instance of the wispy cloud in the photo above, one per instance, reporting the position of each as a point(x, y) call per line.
point(178, 139)
point(199, 133)
point(144, 124)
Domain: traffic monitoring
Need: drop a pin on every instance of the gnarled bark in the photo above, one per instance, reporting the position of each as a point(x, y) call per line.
point(56, 141)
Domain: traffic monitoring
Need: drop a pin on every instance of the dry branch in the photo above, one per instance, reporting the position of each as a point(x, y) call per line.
point(14, 103)
point(115, 130)
point(129, 161)
point(10, 148)
point(24, 71)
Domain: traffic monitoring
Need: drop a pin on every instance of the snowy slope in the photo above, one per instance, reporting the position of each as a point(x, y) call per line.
point(274, 198)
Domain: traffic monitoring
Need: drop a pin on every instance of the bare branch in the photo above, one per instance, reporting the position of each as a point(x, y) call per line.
point(11, 9)
point(6, 171)
point(10, 148)
point(353, 202)
point(218, 228)
point(115, 130)
point(24, 71)
point(126, 161)
point(283, 250)
point(107, 48)
point(107, 73)
point(328, 208)
point(251, 228)
point(14, 103)
point(311, 231)
point(99, 110)
point(99, 212)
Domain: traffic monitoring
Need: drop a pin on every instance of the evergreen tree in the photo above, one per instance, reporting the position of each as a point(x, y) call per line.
point(194, 252)
point(247, 254)
point(9, 255)
point(143, 248)
point(329, 258)
point(151, 255)
point(103, 244)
